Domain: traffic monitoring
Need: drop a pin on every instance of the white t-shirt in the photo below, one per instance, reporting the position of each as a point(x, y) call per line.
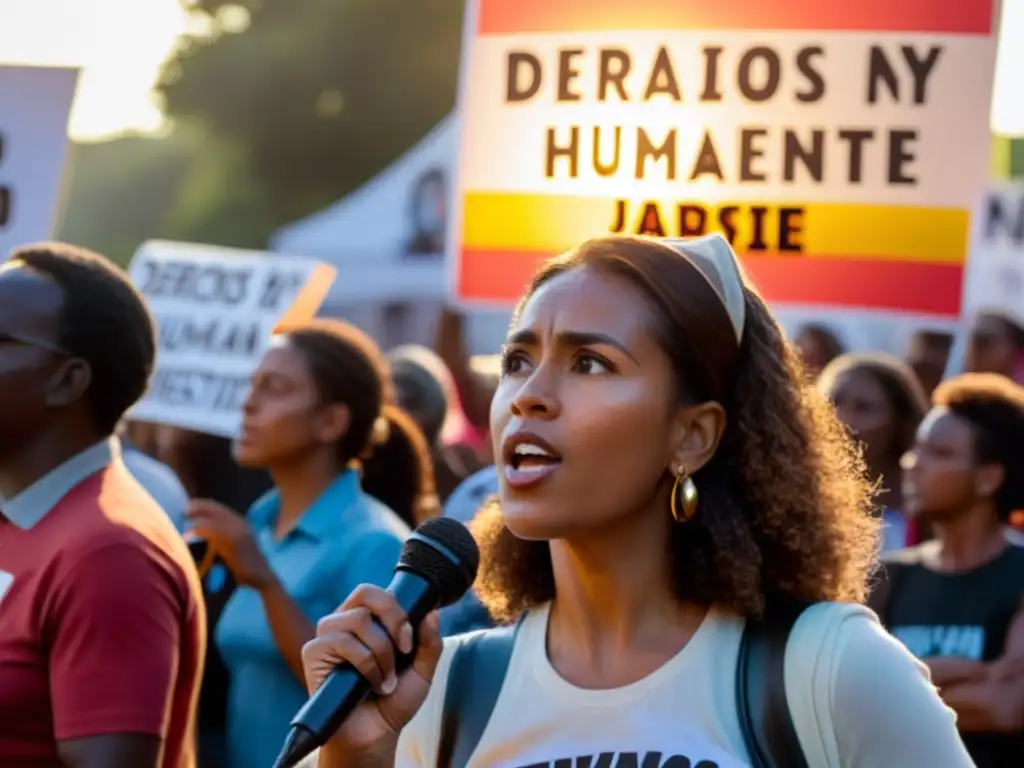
point(858, 699)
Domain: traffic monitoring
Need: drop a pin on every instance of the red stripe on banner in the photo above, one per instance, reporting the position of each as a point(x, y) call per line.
point(848, 281)
point(509, 17)
point(839, 281)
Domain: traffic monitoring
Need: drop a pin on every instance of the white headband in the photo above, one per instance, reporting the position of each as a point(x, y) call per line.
point(715, 259)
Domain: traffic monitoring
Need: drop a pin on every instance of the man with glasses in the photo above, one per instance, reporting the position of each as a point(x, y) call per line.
point(101, 620)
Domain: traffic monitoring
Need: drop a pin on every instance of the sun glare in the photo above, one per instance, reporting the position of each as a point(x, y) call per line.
point(119, 44)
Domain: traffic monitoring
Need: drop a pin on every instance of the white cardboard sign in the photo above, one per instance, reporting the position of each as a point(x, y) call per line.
point(35, 103)
point(215, 310)
point(995, 272)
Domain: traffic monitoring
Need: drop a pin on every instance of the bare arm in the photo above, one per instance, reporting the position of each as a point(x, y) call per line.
point(288, 624)
point(373, 562)
point(232, 537)
point(382, 756)
point(953, 670)
point(115, 750)
point(452, 350)
point(993, 700)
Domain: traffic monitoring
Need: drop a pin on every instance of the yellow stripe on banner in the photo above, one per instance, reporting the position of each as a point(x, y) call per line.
point(553, 223)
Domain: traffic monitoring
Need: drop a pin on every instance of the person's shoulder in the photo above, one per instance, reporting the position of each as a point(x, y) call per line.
point(839, 663)
point(1012, 571)
point(876, 700)
point(116, 511)
point(148, 470)
point(818, 642)
point(1015, 539)
point(831, 637)
point(160, 482)
point(468, 497)
point(822, 623)
point(128, 525)
point(103, 564)
point(484, 478)
point(418, 741)
point(263, 506)
point(378, 519)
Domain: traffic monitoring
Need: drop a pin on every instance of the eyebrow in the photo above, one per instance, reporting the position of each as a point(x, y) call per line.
point(271, 376)
point(572, 339)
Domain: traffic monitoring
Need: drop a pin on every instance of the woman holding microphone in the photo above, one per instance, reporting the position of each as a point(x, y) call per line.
point(664, 472)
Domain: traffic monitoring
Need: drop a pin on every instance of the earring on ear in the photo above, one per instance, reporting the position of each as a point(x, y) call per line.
point(685, 487)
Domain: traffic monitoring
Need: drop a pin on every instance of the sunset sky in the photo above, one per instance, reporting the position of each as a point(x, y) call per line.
point(120, 44)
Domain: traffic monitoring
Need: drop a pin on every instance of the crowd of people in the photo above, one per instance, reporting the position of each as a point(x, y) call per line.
point(655, 466)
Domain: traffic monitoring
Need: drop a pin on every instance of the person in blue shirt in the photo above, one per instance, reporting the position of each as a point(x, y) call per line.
point(315, 412)
point(468, 613)
point(160, 482)
point(470, 495)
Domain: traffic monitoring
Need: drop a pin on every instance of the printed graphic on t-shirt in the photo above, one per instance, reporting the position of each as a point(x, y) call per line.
point(6, 579)
point(627, 760)
point(928, 641)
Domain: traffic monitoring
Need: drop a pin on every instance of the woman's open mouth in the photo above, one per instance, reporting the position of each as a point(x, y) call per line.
point(529, 461)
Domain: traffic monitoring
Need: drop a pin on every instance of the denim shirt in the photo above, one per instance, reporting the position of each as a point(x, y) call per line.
point(344, 539)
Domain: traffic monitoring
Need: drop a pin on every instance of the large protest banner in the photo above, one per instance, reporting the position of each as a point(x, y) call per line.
point(840, 146)
point(35, 103)
point(215, 310)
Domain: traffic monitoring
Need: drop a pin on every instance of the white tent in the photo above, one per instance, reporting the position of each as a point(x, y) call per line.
point(370, 230)
point(386, 241)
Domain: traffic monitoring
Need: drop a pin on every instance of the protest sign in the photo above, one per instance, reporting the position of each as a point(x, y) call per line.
point(34, 106)
point(995, 273)
point(215, 311)
point(841, 152)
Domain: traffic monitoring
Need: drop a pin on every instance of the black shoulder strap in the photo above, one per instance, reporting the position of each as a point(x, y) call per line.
point(475, 677)
point(765, 719)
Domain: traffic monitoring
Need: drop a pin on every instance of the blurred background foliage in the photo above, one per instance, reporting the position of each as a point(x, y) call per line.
point(279, 107)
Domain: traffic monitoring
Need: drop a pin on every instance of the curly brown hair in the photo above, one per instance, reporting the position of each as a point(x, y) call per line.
point(785, 503)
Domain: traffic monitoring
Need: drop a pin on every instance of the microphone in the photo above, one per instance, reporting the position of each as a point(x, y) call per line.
point(437, 566)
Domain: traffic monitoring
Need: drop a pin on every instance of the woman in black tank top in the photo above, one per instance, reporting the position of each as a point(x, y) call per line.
point(956, 602)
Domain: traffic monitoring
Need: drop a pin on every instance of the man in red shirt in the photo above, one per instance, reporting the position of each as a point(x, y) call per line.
point(101, 620)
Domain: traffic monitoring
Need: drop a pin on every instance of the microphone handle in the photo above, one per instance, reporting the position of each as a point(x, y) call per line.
point(344, 688)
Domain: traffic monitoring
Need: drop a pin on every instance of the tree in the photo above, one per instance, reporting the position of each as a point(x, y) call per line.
point(314, 96)
point(119, 192)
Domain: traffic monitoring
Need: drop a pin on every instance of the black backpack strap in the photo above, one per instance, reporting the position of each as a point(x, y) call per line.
point(765, 719)
point(475, 677)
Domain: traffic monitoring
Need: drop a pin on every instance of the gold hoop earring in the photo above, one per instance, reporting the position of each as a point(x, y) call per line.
point(683, 485)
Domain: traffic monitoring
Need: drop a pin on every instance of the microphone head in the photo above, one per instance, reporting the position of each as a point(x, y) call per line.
point(443, 551)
